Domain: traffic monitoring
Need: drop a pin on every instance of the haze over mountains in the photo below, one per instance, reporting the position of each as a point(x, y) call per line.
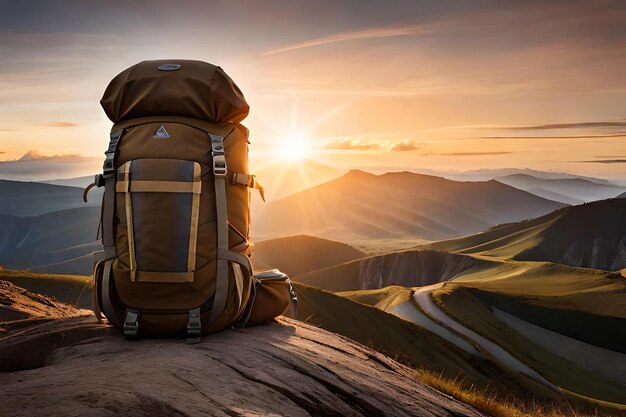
point(57, 242)
point(49, 229)
point(20, 198)
point(565, 190)
point(397, 204)
point(591, 235)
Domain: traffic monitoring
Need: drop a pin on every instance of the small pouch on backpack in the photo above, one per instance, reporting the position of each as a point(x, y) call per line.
point(274, 293)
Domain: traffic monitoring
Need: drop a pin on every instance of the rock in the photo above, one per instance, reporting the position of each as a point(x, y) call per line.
point(18, 304)
point(74, 366)
point(413, 268)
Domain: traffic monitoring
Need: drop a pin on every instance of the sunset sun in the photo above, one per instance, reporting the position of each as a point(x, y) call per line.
point(294, 147)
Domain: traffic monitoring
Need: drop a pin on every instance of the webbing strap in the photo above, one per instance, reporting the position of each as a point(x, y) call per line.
point(158, 187)
point(131, 324)
point(194, 327)
point(130, 234)
point(107, 305)
point(95, 290)
point(293, 300)
point(108, 210)
point(237, 257)
point(249, 181)
point(195, 214)
point(219, 172)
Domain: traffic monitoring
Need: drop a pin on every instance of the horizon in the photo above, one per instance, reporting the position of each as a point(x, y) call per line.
point(418, 87)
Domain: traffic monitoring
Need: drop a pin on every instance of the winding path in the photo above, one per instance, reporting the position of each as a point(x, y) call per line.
point(424, 301)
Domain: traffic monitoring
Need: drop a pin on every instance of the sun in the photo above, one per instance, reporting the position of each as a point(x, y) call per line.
point(294, 148)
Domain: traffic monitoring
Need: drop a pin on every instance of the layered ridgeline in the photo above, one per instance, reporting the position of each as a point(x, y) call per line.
point(56, 242)
point(399, 204)
point(21, 198)
point(47, 227)
point(591, 235)
point(566, 190)
point(505, 291)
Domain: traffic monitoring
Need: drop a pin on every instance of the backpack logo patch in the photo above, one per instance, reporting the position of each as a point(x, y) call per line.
point(161, 133)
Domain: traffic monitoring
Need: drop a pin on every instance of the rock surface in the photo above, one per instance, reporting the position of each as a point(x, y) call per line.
point(74, 366)
point(17, 304)
point(412, 268)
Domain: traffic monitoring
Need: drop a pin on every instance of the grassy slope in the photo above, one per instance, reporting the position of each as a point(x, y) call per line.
point(296, 255)
point(70, 289)
point(399, 338)
point(343, 277)
point(465, 307)
point(588, 235)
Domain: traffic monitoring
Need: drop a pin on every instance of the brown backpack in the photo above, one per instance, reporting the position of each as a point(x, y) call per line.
point(176, 207)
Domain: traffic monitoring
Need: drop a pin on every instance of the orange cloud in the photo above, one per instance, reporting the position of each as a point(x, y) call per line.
point(60, 124)
point(373, 33)
point(403, 146)
point(394, 145)
point(352, 145)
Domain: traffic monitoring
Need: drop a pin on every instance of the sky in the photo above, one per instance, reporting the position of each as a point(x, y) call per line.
point(391, 85)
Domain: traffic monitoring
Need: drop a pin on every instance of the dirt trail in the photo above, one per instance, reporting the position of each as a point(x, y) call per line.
point(424, 301)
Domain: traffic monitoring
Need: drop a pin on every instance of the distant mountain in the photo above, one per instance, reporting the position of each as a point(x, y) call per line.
point(80, 182)
point(551, 195)
point(59, 242)
point(398, 204)
point(591, 235)
point(295, 255)
point(20, 198)
point(281, 179)
point(566, 190)
point(622, 195)
point(489, 174)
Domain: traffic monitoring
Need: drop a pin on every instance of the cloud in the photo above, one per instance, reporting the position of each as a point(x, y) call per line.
point(34, 165)
point(615, 135)
point(594, 129)
point(579, 125)
point(473, 153)
point(60, 124)
point(372, 33)
point(606, 161)
point(352, 145)
point(35, 155)
point(404, 145)
point(393, 145)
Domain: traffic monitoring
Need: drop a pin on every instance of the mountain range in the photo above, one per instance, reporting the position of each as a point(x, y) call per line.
point(398, 204)
point(565, 190)
point(22, 198)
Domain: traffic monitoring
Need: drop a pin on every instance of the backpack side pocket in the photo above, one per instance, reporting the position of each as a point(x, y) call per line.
point(274, 293)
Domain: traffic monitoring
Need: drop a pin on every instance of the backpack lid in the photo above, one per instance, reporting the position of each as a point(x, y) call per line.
point(177, 88)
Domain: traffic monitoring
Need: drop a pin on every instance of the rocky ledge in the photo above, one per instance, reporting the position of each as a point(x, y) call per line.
point(76, 367)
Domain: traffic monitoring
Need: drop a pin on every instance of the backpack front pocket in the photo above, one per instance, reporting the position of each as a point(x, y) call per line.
point(161, 201)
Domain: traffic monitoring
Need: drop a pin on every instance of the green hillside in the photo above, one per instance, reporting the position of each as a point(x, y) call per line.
point(295, 255)
point(70, 289)
point(591, 235)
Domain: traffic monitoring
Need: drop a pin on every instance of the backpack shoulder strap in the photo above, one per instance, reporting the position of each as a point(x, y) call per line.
point(219, 172)
point(108, 211)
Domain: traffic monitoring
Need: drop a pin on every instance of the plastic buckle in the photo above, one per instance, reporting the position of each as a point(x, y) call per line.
point(131, 324)
point(99, 180)
point(219, 165)
point(107, 167)
point(194, 327)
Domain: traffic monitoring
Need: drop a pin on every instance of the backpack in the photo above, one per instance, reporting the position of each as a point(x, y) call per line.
point(176, 208)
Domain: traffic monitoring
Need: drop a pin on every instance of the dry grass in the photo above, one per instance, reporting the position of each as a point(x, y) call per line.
point(499, 404)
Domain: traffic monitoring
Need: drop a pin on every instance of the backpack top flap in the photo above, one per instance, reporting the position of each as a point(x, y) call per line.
point(176, 88)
